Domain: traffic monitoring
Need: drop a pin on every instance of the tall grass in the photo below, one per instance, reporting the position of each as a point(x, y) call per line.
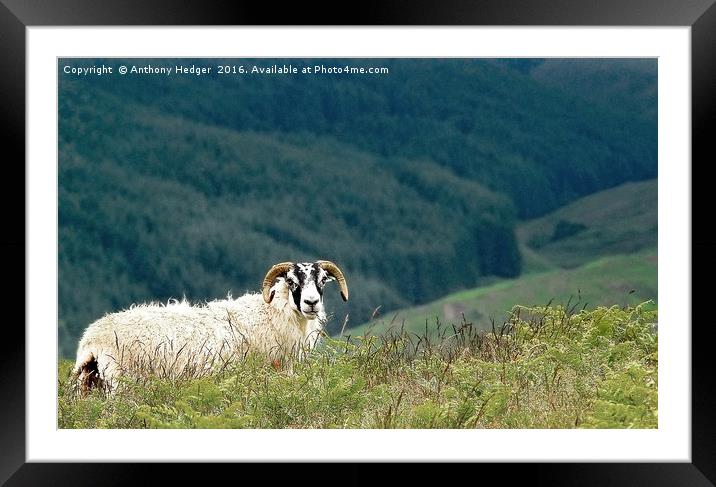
point(544, 367)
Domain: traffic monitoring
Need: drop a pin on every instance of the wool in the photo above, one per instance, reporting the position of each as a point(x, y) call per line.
point(183, 340)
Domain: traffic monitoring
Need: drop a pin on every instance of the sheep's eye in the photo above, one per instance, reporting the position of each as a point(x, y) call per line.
point(291, 283)
point(323, 281)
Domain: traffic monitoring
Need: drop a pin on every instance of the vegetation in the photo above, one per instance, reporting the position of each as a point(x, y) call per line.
point(449, 190)
point(618, 221)
point(622, 280)
point(545, 367)
point(622, 84)
point(604, 253)
point(414, 182)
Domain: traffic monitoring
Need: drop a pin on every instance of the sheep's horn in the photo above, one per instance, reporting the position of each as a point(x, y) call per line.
point(333, 269)
point(271, 275)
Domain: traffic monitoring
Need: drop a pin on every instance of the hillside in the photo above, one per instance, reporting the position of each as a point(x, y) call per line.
point(412, 182)
point(125, 222)
point(598, 250)
point(622, 84)
point(621, 220)
point(542, 145)
point(617, 280)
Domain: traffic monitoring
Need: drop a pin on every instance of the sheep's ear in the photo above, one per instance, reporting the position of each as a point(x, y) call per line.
point(271, 296)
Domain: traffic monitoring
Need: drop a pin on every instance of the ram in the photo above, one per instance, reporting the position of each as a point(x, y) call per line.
point(180, 340)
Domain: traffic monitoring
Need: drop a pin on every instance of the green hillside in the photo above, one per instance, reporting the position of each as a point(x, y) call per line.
point(235, 203)
point(621, 220)
point(542, 145)
point(621, 280)
point(412, 182)
point(623, 84)
point(598, 250)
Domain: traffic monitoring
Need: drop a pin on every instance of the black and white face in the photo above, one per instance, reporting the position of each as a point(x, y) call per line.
point(305, 283)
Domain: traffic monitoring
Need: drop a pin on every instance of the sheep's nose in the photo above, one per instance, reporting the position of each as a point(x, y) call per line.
point(311, 302)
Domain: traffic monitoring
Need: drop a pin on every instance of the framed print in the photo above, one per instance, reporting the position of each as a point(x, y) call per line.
point(480, 193)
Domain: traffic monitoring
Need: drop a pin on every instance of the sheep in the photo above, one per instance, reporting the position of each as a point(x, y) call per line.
point(180, 340)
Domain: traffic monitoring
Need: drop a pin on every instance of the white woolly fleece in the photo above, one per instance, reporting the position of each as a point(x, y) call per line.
point(180, 340)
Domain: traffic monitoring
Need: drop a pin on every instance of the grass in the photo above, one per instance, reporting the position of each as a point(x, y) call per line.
point(599, 250)
point(623, 280)
point(620, 220)
point(545, 367)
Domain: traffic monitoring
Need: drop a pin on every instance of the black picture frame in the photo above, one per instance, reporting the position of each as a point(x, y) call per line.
point(16, 15)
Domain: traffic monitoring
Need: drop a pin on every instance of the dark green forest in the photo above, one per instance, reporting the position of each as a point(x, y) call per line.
point(412, 181)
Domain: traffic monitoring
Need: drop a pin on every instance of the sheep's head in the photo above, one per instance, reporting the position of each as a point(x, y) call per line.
point(305, 282)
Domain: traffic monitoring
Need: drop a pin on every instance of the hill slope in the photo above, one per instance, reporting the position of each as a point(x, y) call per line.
point(180, 208)
point(621, 280)
point(622, 84)
point(621, 220)
point(598, 250)
point(542, 145)
point(172, 186)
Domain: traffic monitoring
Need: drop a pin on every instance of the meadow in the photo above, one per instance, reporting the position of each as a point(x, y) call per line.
point(544, 367)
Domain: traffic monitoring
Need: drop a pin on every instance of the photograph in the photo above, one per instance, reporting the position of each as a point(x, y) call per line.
point(357, 243)
point(432, 233)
